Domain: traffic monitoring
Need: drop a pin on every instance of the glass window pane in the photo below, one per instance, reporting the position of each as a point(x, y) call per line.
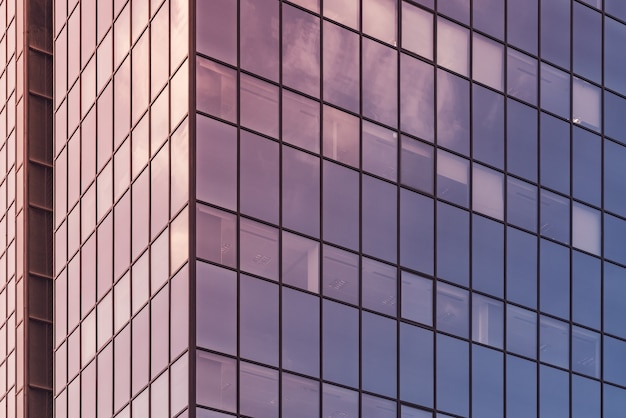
point(416, 365)
point(555, 32)
point(452, 178)
point(301, 50)
point(335, 398)
point(522, 204)
point(555, 90)
point(217, 236)
point(585, 397)
point(258, 390)
point(522, 27)
point(522, 76)
point(259, 165)
point(614, 61)
point(340, 275)
point(488, 191)
point(614, 121)
point(452, 244)
point(380, 150)
point(521, 388)
point(258, 252)
point(417, 298)
point(614, 238)
point(487, 256)
point(521, 331)
point(587, 40)
point(258, 40)
point(379, 19)
point(614, 308)
point(457, 9)
point(553, 341)
point(488, 62)
point(216, 162)
point(554, 393)
point(452, 375)
point(554, 279)
point(521, 140)
point(586, 352)
point(586, 228)
point(301, 191)
point(555, 153)
point(300, 397)
point(416, 164)
point(378, 348)
point(417, 102)
point(216, 381)
point(452, 46)
point(613, 355)
point(340, 341)
point(258, 320)
point(614, 178)
point(487, 321)
point(453, 116)
point(380, 82)
point(340, 205)
point(341, 67)
point(555, 214)
point(216, 89)
point(378, 281)
point(343, 11)
point(258, 105)
point(300, 332)
point(452, 310)
point(217, 35)
point(488, 16)
point(300, 262)
point(379, 223)
point(417, 30)
point(216, 293)
point(341, 136)
point(488, 126)
point(587, 104)
point(586, 293)
point(487, 382)
point(301, 121)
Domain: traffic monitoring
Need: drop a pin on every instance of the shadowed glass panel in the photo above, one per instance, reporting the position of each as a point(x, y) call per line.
point(614, 59)
point(554, 393)
point(521, 140)
point(416, 164)
point(555, 32)
point(614, 177)
point(300, 397)
point(585, 397)
point(586, 293)
point(555, 153)
point(417, 298)
point(380, 150)
point(522, 25)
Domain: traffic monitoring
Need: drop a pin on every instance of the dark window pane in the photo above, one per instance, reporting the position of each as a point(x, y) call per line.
point(614, 178)
point(554, 393)
point(452, 375)
point(301, 332)
point(554, 279)
point(416, 365)
point(614, 121)
point(487, 256)
point(586, 294)
point(452, 310)
point(301, 191)
point(378, 348)
point(521, 331)
point(488, 126)
point(378, 286)
point(340, 341)
point(416, 231)
point(522, 76)
point(614, 60)
point(258, 320)
point(416, 164)
point(341, 205)
point(522, 27)
point(488, 17)
point(585, 397)
point(521, 388)
point(587, 38)
point(586, 166)
point(614, 306)
point(452, 244)
point(379, 221)
point(487, 382)
point(522, 140)
point(555, 31)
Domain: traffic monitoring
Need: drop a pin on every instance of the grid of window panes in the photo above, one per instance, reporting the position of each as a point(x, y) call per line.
point(11, 174)
point(408, 208)
point(121, 175)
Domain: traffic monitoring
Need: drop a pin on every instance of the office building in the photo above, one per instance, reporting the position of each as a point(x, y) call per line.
point(313, 208)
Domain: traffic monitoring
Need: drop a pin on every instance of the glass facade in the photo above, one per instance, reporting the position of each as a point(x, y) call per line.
point(410, 208)
point(312, 208)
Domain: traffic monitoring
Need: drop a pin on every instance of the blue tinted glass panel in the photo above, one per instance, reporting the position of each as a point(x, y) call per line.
point(373, 407)
point(554, 393)
point(453, 178)
point(614, 60)
point(522, 140)
point(452, 375)
point(452, 310)
point(416, 231)
point(614, 306)
point(340, 325)
point(301, 191)
point(487, 256)
point(417, 298)
point(555, 90)
point(521, 268)
point(555, 215)
point(453, 119)
point(258, 320)
point(555, 152)
point(379, 218)
point(417, 165)
point(378, 286)
point(378, 354)
point(258, 390)
point(489, 17)
point(554, 279)
point(614, 402)
point(301, 330)
point(488, 126)
point(614, 365)
point(555, 31)
point(521, 388)
point(416, 365)
point(614, 121)
point(522, 27)
point(587, 163)
point(586, 294)
point(487, 383)
point(300, 397)
point(521, 331)
point(522, 203)
point(615, 238)
point(553, 341)
point(341, 205)
point(452, 244)
point(585, 397)
point(522, 76)
point(614, 177)
point(487, 320)
point(586, 352)
point(335, 398)
point(587, 38)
